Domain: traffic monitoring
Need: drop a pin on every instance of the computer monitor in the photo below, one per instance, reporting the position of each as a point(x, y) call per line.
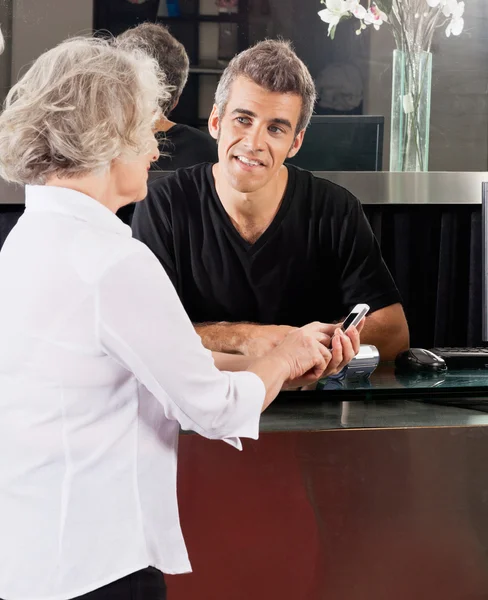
point(484, 260)
point(342, 143)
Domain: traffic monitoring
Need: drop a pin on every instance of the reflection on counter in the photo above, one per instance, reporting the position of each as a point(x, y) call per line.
point(386, 400)
point(388, 379)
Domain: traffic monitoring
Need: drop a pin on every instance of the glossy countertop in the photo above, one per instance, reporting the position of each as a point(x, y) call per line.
point(387, 400)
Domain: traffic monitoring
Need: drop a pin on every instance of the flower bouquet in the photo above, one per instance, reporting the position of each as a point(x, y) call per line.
point(413, 24)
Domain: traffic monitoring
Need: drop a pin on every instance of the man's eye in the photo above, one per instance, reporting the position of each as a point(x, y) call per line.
point(243, 120)
point(275, 129)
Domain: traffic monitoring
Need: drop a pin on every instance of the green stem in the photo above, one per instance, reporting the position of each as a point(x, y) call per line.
point(412, 42)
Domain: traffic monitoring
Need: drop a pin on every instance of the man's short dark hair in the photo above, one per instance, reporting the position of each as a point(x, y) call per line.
point(273, 65)
point(171, 55)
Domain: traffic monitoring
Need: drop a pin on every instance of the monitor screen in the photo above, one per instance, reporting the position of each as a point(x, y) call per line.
point(484, 260)
point(342, 143)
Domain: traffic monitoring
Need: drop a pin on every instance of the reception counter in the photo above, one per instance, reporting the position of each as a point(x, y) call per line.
point(379, 493)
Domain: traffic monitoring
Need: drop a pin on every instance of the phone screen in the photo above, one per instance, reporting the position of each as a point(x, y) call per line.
point(349, 319)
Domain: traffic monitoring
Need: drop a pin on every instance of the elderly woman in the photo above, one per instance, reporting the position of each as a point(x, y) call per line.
point(99, 363)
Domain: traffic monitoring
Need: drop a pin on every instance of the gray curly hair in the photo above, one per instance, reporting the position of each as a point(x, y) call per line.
point(80, 105)
point(273, 65)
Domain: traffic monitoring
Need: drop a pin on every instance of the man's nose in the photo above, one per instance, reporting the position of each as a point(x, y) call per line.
point(255, 139)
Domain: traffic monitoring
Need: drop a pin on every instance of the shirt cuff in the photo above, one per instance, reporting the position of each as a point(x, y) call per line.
point(255, 394)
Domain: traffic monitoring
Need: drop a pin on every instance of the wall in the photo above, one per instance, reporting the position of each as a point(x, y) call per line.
point(6, 57)
point(459, 118)
point(38, 25)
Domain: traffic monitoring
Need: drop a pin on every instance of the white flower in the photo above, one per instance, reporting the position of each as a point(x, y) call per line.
point(456, 24)
point(441, 4)
point(449, 6)
point(332, 14)
point(328, 17)
point(453, 9)
point(455, 27)
point(359, 12)
point(336, 9)
point(374, 16)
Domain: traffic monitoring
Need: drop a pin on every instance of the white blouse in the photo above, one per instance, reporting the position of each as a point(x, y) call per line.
point(99, 366)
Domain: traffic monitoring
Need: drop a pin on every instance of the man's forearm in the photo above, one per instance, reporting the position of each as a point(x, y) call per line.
point(390, 335)
point(388, 344)
point(223, 336)
point(250, 339)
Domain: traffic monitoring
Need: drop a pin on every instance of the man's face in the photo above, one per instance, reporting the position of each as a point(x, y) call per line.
point(256, 134)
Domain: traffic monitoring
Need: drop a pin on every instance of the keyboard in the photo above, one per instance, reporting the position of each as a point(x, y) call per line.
point(463, 358)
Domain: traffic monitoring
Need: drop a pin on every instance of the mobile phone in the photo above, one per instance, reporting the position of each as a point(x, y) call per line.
point(356, 314)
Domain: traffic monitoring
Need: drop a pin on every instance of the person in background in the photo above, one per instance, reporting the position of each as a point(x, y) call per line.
point(180, 145)
point(99, 363)
point(254, 247)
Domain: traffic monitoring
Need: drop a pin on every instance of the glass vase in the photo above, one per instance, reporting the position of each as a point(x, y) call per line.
point(410, 111)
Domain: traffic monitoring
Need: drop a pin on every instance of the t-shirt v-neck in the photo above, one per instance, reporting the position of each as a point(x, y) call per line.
point(315, 261)
point(252, 247)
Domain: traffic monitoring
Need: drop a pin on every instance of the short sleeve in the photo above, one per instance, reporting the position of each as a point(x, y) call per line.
point(152, 225)
point(364, 276)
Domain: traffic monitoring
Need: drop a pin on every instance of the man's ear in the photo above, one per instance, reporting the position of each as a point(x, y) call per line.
point(297, 143)
point(214, 122)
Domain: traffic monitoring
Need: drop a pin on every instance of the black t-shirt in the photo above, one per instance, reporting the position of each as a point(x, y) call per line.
point(185, 146)
point(317, 259)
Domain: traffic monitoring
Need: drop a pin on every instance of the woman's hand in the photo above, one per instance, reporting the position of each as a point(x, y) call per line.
point(342, 347)
point(304, 356)
point(305, 351)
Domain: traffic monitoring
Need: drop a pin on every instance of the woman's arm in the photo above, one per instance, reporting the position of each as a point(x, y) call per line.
point(143, 326)
point(231, 362)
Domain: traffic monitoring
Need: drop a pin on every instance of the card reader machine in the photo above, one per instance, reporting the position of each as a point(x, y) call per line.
point(360, 367)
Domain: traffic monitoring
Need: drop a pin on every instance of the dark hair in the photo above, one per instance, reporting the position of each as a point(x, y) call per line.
point(274, 65)
point(171, 55)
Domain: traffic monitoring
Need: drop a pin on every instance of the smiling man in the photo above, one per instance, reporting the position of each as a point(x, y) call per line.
point(255, 247)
